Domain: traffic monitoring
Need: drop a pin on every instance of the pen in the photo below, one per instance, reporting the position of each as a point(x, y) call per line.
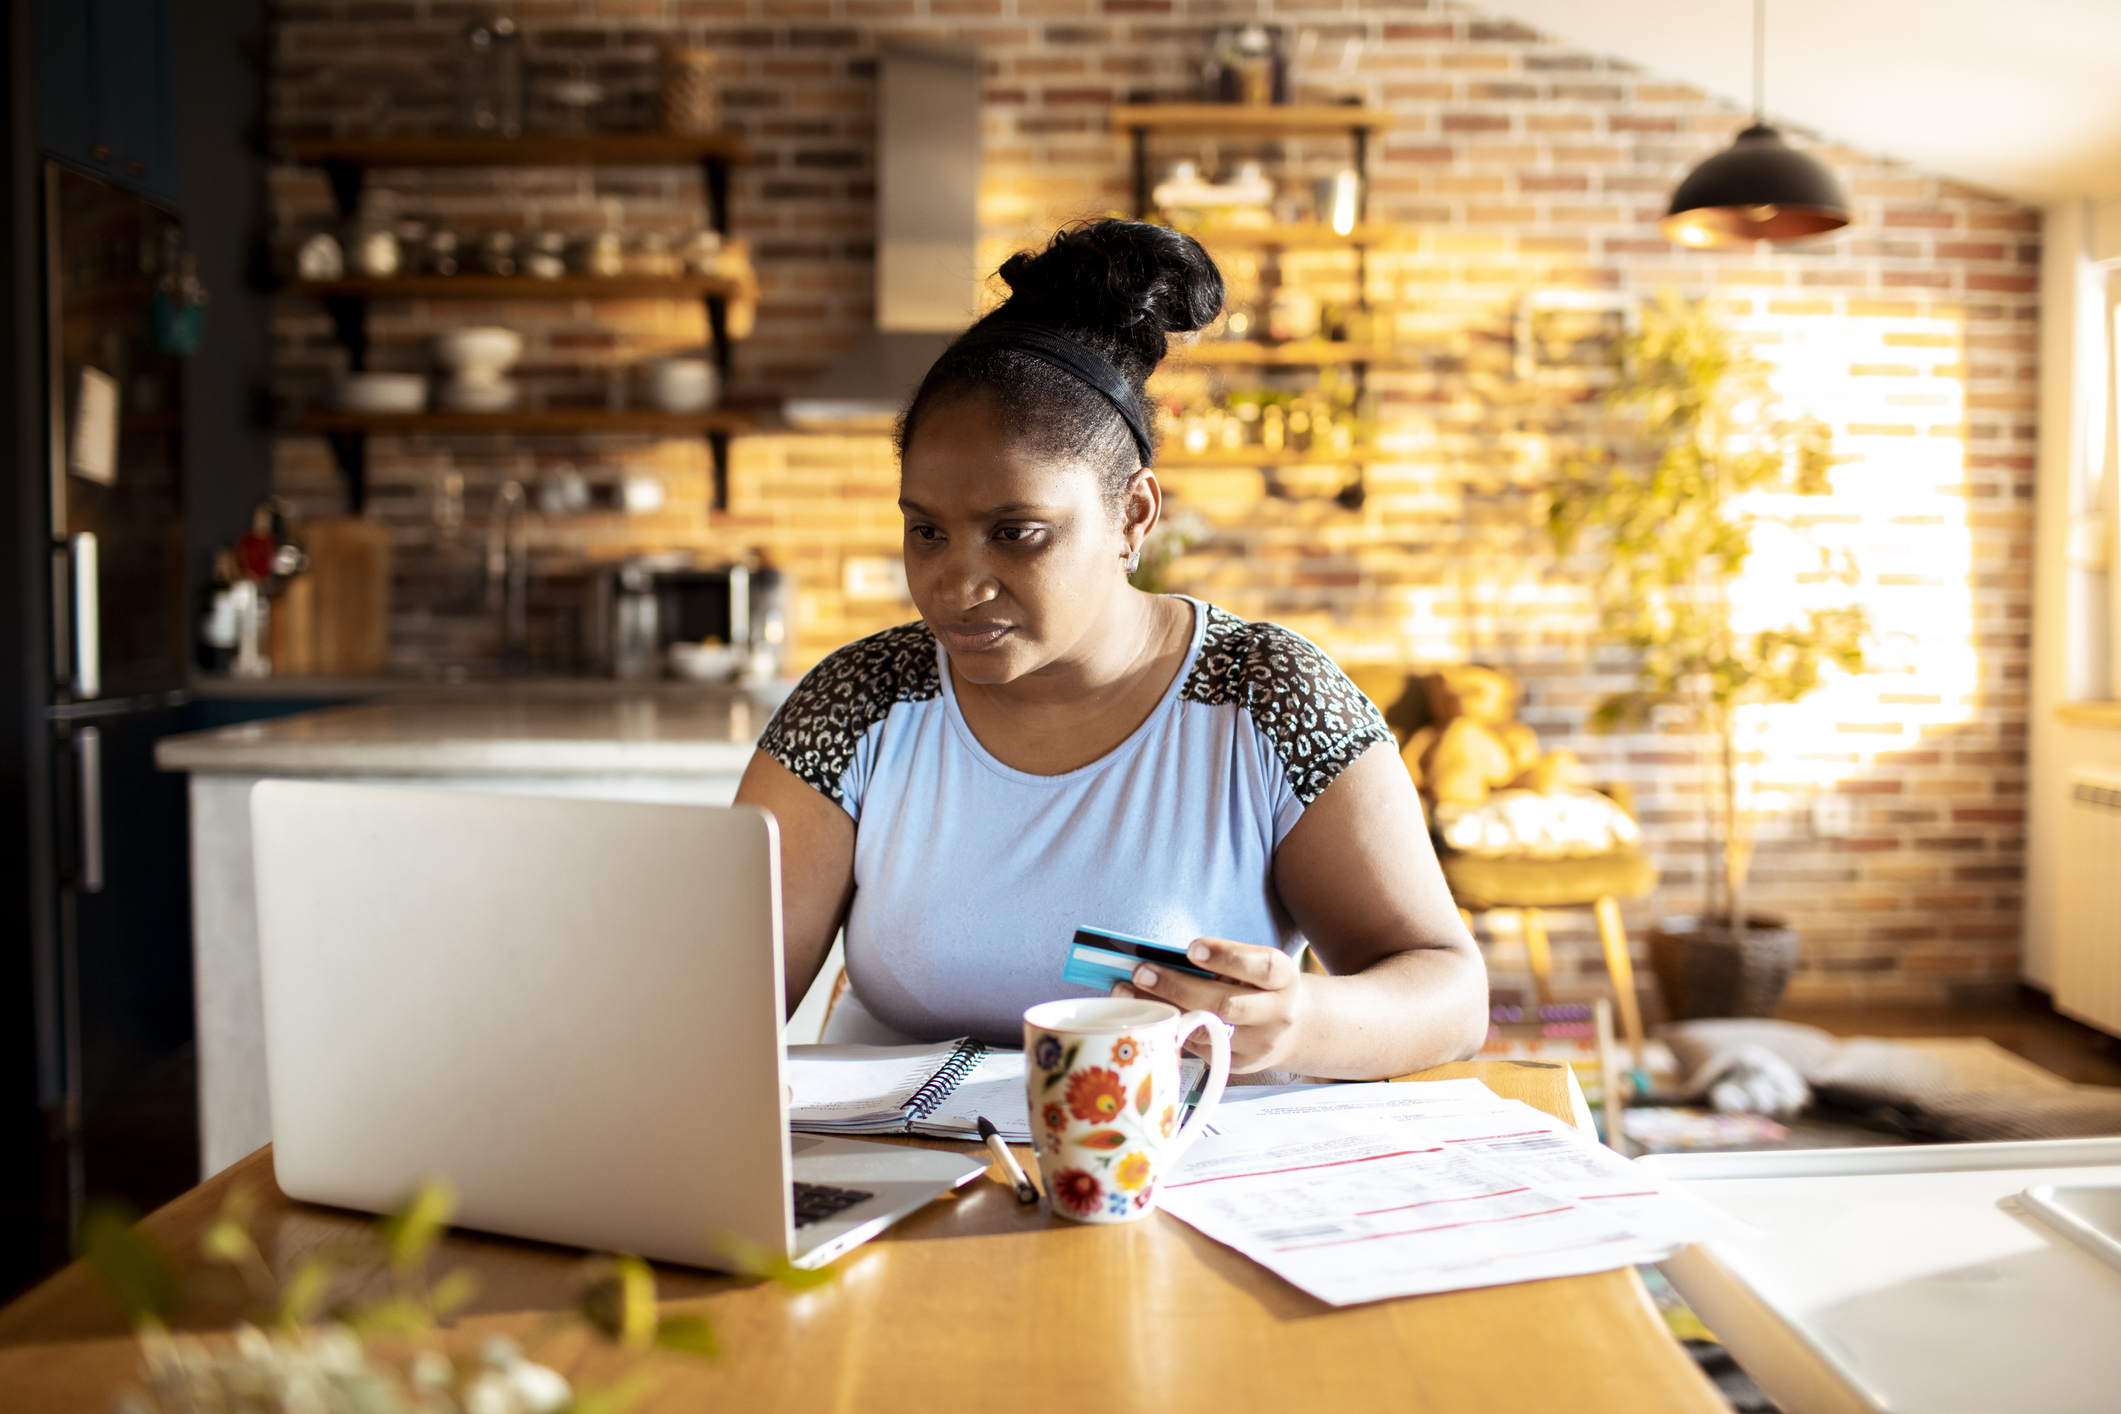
point(1025, 1193)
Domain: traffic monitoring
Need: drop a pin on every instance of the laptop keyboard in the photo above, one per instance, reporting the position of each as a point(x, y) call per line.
point(815, 1202)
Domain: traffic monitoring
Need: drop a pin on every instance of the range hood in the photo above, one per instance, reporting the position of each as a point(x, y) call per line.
point(927, 231)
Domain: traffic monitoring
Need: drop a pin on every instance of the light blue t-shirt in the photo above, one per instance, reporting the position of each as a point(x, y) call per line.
point(971, 877)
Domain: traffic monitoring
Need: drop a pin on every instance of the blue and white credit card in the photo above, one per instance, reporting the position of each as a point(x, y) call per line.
point(1098, 958)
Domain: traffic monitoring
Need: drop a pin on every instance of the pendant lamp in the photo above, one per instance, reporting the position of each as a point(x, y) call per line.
point(1759, 188)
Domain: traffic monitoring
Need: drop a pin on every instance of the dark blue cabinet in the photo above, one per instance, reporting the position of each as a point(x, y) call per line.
point(105, 94)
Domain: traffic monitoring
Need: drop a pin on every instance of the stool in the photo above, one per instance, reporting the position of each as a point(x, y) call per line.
point(1485, 884)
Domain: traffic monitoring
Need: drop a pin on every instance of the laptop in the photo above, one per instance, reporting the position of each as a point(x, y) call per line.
point(570, 1008)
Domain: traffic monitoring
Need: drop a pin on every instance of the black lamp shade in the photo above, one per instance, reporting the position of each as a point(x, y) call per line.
point(1757, 189)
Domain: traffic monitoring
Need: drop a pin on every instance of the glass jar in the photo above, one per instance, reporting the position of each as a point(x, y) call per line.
point(490, 78)
point(497, 253)
point(545, 255)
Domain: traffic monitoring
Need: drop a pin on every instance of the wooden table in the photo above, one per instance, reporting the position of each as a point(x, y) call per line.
point(979, 1303)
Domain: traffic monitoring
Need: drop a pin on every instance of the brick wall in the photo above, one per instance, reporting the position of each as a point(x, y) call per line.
point(1516, 165)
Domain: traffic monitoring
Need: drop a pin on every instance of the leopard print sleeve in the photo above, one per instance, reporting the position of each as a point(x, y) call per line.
point(1317, 721)
point(818, 730)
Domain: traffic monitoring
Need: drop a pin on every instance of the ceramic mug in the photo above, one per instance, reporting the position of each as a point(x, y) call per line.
point(1103, 1077)
point(682, 384)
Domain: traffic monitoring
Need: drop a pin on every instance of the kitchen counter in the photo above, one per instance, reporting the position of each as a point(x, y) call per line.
point(214, 687)
point(669, 743)
point(491, 731)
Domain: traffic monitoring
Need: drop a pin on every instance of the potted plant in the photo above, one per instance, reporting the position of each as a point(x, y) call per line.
point(1668, 502)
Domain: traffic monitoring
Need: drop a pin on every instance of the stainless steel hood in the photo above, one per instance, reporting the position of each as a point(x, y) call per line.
point(927, 230)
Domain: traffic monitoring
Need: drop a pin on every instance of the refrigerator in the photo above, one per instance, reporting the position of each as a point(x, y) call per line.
point(111, 962)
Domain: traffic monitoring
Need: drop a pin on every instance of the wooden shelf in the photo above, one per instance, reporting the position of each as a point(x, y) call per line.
point(1312, 352)
point(530, 150)
point(1300, 237)
point(524, 422)
point(2104, 715)
point(347, 162)
point(1236, 119)
point(482, 287)
point(1250, 455)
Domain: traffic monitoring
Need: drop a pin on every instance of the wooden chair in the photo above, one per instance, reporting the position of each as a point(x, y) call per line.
point(1530, 887)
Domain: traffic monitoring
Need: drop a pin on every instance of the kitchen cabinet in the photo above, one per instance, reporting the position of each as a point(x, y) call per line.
point(672, 743)
point(105, 92)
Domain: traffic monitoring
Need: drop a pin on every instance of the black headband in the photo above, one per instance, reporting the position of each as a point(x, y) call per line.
point(1070, 356)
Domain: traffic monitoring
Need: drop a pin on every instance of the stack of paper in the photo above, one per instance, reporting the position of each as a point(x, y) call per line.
point(1362, 1192)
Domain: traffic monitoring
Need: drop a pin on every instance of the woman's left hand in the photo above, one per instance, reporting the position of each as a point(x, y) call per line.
point(1258, 990)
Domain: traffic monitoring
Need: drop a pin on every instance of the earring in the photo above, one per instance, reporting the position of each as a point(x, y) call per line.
point(1134, 562)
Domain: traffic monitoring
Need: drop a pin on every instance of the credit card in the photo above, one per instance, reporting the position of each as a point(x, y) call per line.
point(1098, 957)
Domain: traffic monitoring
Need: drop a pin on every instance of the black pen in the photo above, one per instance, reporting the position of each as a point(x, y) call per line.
point(1025, 1193)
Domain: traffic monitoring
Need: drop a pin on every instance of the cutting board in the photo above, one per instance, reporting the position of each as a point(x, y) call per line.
point(349, 558)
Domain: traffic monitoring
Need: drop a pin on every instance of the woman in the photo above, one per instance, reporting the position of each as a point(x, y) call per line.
point(1050, 747)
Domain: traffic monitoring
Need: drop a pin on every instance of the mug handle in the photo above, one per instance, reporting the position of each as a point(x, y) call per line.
point(1218, 1075)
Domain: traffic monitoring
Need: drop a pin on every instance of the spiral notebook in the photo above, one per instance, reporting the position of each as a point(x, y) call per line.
point(938, 1092)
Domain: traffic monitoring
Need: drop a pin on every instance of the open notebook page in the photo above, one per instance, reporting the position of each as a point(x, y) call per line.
point(994, 1090)
point(845, 1085)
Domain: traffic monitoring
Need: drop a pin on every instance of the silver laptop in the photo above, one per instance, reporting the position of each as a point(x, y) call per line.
point(570, 1008)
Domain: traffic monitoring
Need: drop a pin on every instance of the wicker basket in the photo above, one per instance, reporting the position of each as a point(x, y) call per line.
point(1707, 971)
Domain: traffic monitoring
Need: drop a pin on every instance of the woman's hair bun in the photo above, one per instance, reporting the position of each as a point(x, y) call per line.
point(1129, 277)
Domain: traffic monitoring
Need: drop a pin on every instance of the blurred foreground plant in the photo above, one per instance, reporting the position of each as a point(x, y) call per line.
point(280, 1361)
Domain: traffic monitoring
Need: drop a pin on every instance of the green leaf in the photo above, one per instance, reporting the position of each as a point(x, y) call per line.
point(1067, 1064)
point(303, 1295)
point(388, 1316)
point(621, 1302)
point(227, 1238)
point(411, 1232)
point(749, 1259)
point(453, 1291)
point(133, 1266)
point(225, 1241)
point(690, 1334)
point(614, 1398)
point(1102, 1139)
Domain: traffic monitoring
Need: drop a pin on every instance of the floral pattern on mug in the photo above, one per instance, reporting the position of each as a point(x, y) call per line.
point(1096, 1095)
point(1079, 1190)
point(1106, 1121)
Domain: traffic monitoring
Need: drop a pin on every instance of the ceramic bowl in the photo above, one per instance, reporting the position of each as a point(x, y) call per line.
point(479, 354)
point(458, 395)
point(381, 392)
point(703, 662)
point(682, 384)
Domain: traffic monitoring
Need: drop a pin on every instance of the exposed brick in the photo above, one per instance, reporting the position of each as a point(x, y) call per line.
point(1512, 164)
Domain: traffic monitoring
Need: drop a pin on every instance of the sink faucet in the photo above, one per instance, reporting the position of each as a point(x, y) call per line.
point(508, 574)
